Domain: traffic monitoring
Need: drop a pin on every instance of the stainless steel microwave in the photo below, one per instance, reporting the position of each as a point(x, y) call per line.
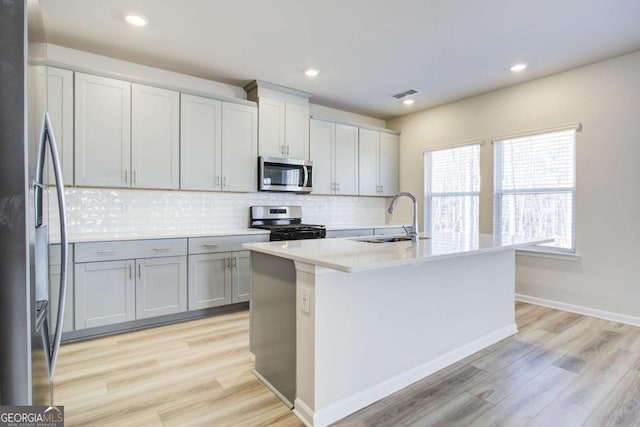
point(276, 174)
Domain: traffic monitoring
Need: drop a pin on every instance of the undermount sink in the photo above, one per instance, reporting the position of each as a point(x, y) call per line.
point(386, 239)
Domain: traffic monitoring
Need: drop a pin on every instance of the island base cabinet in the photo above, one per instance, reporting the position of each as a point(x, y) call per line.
point(104, 294)
point(209, 280)
point(161, 286)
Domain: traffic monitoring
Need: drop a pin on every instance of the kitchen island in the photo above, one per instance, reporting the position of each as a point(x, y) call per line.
point(360, 319)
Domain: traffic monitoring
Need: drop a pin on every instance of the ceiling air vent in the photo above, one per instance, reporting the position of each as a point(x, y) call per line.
point(405, 93)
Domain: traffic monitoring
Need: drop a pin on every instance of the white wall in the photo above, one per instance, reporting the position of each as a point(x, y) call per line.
point(605, 98)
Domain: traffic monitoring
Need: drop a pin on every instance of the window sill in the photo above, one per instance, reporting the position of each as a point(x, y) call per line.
point(549, 253)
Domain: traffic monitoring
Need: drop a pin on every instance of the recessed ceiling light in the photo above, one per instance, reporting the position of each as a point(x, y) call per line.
point(518, 67)
point(408, 101)
point(136, 20)
point(311, 72)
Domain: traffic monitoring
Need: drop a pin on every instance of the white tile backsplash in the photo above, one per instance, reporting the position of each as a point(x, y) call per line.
point(103, 210)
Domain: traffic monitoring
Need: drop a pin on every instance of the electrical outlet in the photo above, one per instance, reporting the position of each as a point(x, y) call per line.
point(306, 300)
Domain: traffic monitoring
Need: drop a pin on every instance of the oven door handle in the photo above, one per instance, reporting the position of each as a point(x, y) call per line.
point(306, 176)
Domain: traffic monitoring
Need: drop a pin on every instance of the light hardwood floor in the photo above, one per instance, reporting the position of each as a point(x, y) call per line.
point(561, 369)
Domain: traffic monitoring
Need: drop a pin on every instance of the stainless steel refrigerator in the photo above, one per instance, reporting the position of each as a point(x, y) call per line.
point(28, 346)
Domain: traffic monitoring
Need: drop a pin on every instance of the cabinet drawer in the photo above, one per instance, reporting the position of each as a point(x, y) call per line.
point(54, 253)
point(129, 249)
point(202, 245)
point(350, 233)
point(393, 231)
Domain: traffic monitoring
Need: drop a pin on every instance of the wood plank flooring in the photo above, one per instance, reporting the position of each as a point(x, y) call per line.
point(561, 369)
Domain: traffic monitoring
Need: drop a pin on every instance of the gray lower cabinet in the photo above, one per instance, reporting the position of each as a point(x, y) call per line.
point(104, 293)
point(219, 270)
point(161, 286)
point(209, 280)
point(219, 278)
point(122, 281)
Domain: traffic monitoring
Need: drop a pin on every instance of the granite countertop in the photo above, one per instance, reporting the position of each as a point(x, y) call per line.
point(353, 255)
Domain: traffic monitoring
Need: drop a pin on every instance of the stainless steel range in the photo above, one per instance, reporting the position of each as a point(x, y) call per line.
point(285, 223)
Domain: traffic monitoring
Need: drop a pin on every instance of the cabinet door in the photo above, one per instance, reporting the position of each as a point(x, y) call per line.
point(297, 131)
point(161, 286)
point(241, 277)
point(60, 108)
point(104, 293)
point(239, 147)
point(200, 143)
point(271, 122)
point(54, 281)
point(155, 137)
point(389, 148)
point(102, 131)
point(209, 280)
point(368, 163)
point(321, 144)
point(346, 160)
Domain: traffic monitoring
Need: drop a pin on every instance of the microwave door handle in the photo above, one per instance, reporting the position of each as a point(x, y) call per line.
point(47, 134)
point(306, 176)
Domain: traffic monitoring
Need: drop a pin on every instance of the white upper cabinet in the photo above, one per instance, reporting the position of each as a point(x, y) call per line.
point(200, 143)
point(60, 108)
point(321, 146)
point(389, 164)
point(334, 152)
point(369, 162)
point(155, 137)
point(103, 131)
point(239, 147)
point(346, 160)
point(297, 131)
point(271, 128)
point(378, 162)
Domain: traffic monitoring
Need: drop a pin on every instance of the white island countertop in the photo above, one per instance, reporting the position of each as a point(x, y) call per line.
point(351, 254)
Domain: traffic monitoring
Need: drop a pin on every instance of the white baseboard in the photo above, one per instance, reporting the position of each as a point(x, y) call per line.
point(303, 411)
point(351, 404)
point(587, 311)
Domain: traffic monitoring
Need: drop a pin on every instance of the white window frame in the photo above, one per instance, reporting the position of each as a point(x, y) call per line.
point(569, 253)
point(429, 195)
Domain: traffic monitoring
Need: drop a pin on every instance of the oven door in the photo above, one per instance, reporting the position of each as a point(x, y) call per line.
point(276, 174)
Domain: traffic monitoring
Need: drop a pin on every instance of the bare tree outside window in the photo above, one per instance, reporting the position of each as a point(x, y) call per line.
point(535, 185)
point(452, 189)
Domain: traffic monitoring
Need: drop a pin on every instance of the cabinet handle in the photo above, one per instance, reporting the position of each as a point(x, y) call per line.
point(287, 151)
point(226, 262)
point(224, 181)
point(218, 181)
point(165, 249)
point(139, 271)
point(234, 262)
point(135, 177)
point(126, 176)
point(382, 188)
point(130, 271)
point(211, 245)
point(106, 251)
point(282, 150)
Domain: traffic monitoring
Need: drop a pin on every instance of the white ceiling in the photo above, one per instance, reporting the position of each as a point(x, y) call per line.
point(366, 50)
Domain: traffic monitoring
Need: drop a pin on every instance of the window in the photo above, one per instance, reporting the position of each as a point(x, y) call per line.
point(452, 189)
point(535, 187)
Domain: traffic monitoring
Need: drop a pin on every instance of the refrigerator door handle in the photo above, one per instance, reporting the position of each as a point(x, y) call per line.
point(48, 136)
